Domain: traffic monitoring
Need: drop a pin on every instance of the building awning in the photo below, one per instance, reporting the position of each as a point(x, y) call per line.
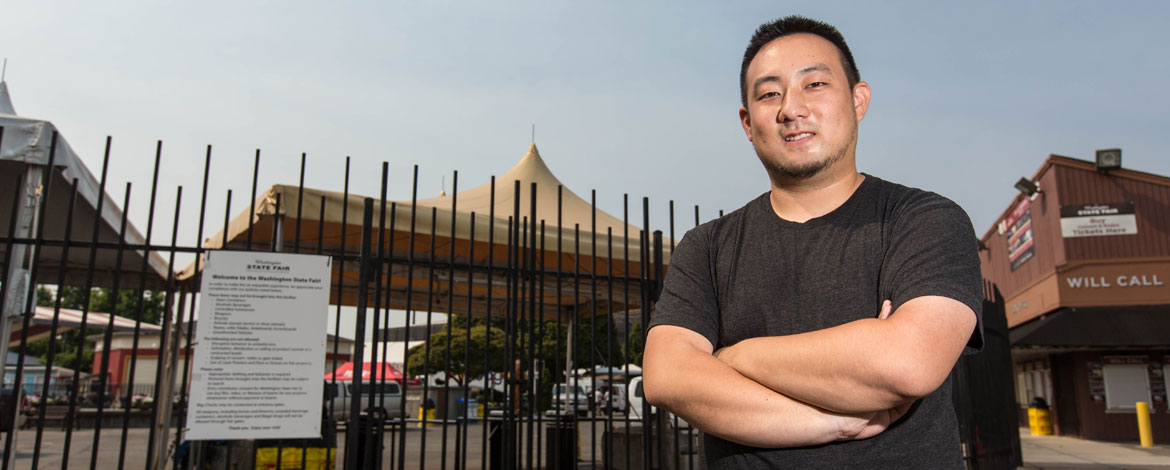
point(1120, 326)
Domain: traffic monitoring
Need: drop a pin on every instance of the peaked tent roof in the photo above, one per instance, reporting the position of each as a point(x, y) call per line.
point(26, 142)
point(5, 100)
point(278, 206)
point(532, 169)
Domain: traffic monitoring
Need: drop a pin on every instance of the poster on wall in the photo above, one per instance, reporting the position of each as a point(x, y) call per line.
point(1096, 382)
point(260, 346)
point(1098, 220)
point(1157, 383)
point(1021, 246)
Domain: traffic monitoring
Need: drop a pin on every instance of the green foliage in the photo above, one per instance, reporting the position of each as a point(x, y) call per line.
point(635, 344)
point(419, 362)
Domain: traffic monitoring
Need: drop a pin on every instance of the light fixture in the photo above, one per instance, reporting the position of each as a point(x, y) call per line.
point(1028, 188)
point(1108, 159)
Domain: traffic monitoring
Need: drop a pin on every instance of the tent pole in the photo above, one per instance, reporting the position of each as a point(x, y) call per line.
point(18, 274)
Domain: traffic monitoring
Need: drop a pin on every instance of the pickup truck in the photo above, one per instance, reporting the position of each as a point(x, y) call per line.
point(568, 399)
point(339, 395)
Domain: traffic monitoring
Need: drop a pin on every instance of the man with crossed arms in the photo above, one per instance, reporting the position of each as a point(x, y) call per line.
point(816, 326)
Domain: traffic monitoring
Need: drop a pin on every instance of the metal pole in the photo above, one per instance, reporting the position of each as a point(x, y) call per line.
point(17, 283)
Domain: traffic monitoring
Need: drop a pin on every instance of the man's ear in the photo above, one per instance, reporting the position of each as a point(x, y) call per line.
point(860, 99)
point(745, 120)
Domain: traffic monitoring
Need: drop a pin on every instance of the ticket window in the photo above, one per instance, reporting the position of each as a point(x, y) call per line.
point(1125, 385)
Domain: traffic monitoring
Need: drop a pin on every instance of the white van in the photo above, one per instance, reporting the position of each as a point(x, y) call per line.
point(342, 394)
point(637, 397)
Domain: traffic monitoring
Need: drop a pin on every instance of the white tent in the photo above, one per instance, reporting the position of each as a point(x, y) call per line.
point(25, 146)
point(24, 150)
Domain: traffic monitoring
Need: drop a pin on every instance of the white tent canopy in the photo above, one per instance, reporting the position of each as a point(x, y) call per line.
point(25, 144)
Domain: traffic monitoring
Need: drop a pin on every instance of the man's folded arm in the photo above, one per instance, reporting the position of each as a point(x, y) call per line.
point(680, 374)
point(864, 365)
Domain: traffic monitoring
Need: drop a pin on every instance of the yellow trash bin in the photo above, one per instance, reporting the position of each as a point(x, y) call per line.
point(1039, 418)
point(315, 458)
point(429, 414)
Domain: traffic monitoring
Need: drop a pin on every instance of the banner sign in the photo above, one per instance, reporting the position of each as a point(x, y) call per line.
point(260, 346)
point(1021, 245)
point(1098, 220)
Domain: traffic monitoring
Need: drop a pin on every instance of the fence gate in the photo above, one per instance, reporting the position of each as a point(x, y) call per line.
point(532, 303)
point(984, 395)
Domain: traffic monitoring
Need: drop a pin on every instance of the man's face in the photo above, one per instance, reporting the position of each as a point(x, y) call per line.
point(801, 113)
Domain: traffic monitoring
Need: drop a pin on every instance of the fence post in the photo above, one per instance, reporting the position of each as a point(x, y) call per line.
point(352, 456)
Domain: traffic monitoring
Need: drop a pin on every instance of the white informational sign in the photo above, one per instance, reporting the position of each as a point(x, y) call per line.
point(1098, 220)
point(261, 346)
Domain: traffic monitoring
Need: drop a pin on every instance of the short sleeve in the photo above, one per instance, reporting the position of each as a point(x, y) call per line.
point(689, 298)
point(933, 251)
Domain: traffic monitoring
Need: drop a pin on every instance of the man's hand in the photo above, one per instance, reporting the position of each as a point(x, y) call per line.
point(864, 365)
point(866, 425)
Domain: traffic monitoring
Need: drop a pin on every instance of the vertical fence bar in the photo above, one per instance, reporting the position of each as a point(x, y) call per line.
point(512, 371)
point(557, 402)
point(422, 455)
point(376, 366)
point(252, 211)
point(409, 307)
point(591, 398)
point(530, 253)
point(464, 429)
point(508, 446)
point(626, 301)
point(353, 459)
point(186, 349)
point(162, 401)
point(491, 257)
point(17, 389)
point(107, 338)
point(141, 304)
point(340, 293)
point(574, 383)
point(536, 400)
point(450, 317)
point(610, 337)
point(80, 345)
point(648, 446)
point(300, 204)
point(400, 424)
point(53, 328)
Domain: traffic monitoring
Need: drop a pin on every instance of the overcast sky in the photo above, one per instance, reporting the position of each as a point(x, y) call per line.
point(638, 99)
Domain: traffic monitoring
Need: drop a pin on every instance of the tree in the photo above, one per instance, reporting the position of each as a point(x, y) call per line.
point(419, 362)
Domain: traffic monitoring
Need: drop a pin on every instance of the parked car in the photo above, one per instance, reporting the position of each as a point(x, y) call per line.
point(637, 397)
point(569, 399)
point(338, 397)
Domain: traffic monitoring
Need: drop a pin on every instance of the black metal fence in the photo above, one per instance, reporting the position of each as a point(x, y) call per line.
point(532, 299)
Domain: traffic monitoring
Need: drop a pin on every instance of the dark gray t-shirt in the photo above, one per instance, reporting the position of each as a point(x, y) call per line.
point(751, 273)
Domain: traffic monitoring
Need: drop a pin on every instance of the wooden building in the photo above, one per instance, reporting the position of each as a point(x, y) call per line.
point(1084, 266)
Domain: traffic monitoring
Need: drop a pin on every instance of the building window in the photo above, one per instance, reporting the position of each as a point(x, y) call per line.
point(1125, 385)
point(1032, 384)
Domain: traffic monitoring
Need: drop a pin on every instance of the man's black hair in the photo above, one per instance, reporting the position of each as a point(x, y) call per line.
point(788, 26)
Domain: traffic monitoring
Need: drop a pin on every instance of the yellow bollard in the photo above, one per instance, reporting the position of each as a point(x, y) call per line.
point(1144, 430)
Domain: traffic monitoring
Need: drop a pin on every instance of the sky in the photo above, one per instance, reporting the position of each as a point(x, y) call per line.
point(637, 99)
